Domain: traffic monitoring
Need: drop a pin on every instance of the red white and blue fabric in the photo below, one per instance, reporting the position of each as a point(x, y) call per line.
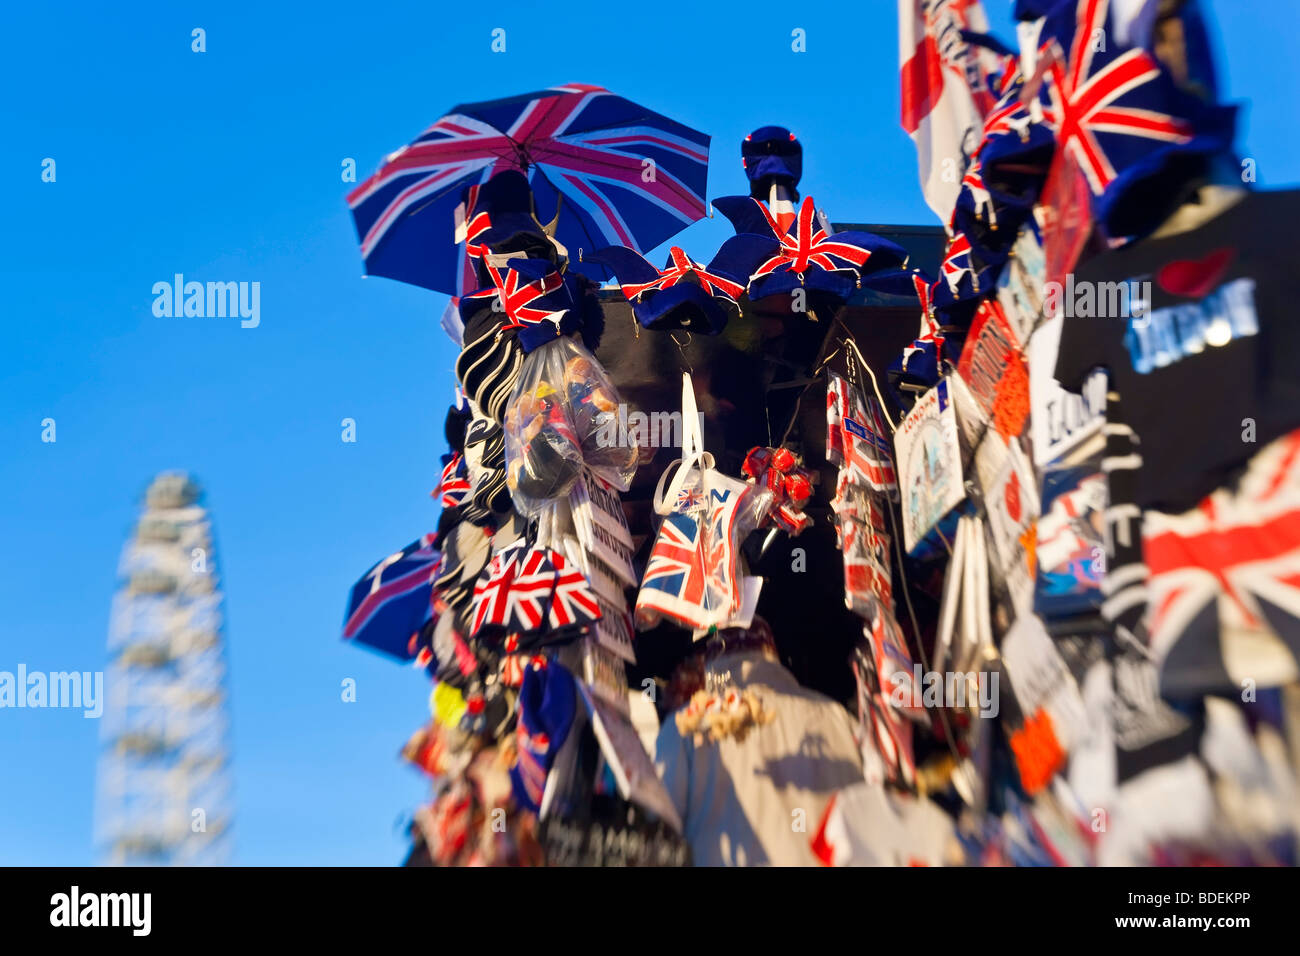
point(573, 603)
point(454, 486)
point(684, 294)
point(585, 152)
point(691, 577)
point(1119, 114)
point(1099, 100)
point(547, 706)
point(519, 294)
point(514, 591)
point(857, 438)
point(1224, 581)
point(946, 88)
point(491, 603)
point(957, 261)
point(394, 599)
point(807, 255)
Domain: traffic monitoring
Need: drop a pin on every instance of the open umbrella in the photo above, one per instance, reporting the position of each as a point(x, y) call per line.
point(609, 172)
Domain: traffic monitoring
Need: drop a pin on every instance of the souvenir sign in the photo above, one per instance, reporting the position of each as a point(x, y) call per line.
point(602, 526)
point(611, 843)
point(604, 580)
point(1063, 426)
point(1011, 501)
point(614, 628)
point(634, 771)
point(605, 675)
point(991, 364)
point(930, 464)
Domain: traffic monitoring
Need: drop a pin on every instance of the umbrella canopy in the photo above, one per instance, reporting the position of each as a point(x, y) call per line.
point(609, 172)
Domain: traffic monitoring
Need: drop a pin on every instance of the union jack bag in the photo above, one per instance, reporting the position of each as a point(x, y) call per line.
point(693, 577)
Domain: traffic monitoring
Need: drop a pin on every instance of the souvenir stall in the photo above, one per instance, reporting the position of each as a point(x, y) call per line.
point(972, 544)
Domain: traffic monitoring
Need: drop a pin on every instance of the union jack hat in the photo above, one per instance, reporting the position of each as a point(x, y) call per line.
point(1140, 140)
point(548, 702)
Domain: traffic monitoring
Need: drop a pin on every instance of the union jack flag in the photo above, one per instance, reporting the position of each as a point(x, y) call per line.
point(957, 261)
point(691, 576)
point(1082, 92)
point(491, 604)
point(680, 267)
point(516, 293)
point(674, 584)
point(808, 246)
point(454, 486)
point(573, 601)
point(577, 143)
point(394, 599)
point(1224, 588)
point(857, 440)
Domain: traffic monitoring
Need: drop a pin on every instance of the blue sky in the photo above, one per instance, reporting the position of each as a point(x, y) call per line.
point(226, 166)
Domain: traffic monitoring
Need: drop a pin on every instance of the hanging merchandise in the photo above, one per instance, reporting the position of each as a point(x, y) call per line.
point(930, 471)
point(684, 294)
point(1069, 549)
point(1053, 714)
point(779, 471)
point(695, 575)
point(562, 416)
point(1006, 479)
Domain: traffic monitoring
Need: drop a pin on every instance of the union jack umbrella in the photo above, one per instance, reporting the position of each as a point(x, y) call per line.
point(393, 600)
point(614, 172)
point(1113, 108)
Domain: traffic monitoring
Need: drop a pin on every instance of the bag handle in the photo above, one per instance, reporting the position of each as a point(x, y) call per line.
point(693, 453)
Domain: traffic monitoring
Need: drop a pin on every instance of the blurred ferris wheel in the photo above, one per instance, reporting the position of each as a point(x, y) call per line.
point(164, 794)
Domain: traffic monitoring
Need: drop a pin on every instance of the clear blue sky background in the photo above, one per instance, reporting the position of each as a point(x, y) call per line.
point(226, 166)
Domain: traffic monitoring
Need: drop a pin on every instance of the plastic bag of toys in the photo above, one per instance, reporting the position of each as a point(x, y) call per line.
point(563, 414)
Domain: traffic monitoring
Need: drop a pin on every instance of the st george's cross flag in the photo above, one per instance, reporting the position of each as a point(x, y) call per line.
point(947, 87)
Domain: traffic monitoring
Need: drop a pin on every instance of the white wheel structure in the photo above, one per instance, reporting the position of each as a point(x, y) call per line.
point(164, 792)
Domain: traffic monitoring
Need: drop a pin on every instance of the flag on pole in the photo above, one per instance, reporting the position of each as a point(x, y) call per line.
point(947, 90)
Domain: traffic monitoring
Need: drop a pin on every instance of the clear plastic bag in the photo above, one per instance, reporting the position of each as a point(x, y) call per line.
point(563, 415)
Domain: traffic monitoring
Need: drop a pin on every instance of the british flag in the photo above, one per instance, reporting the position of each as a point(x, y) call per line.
point(809, 245)
point(957, 261)
point(394, 599)
point(586, 153)
point(517, 293)
point(573, 602)
point(491, 603)
point(454, 487)
point(1101, 100)
point(680, 267)
point(674, 584)
point(1224, 587)
point(857, 439)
